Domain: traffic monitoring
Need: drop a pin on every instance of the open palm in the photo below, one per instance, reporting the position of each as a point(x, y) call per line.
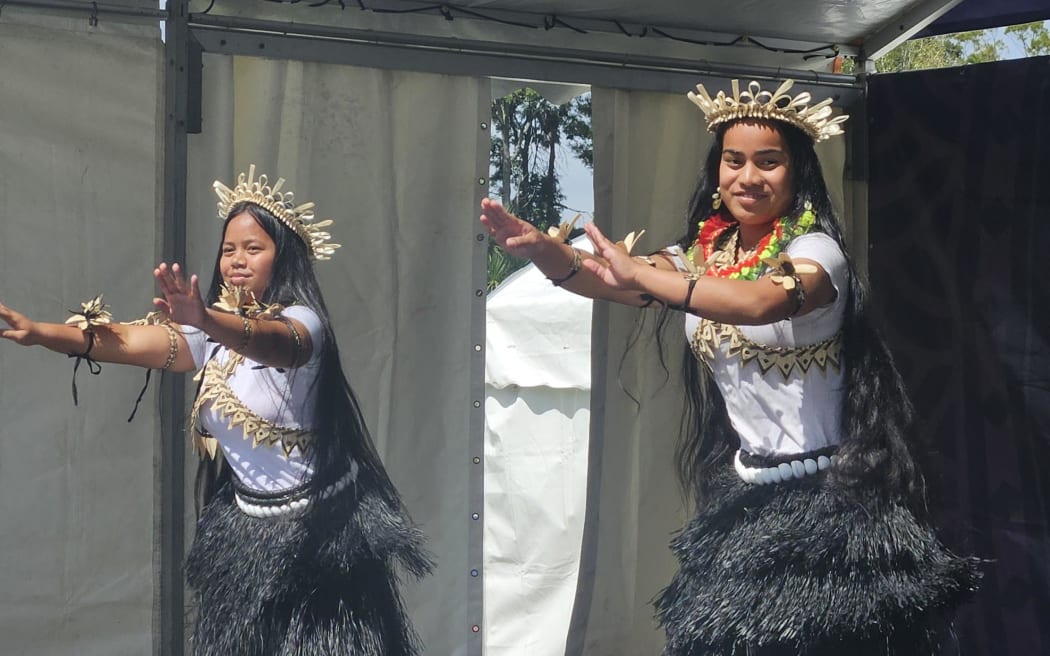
point(182, 299)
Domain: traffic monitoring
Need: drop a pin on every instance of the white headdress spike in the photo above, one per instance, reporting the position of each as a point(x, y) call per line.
point(298, 218)
point(815, 120)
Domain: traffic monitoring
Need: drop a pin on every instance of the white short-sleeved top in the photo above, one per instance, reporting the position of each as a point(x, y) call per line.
point(284, 397)
point(777, 414)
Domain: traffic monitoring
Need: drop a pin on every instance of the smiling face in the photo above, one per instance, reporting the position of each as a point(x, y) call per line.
point(247, 254)
point(754, 177)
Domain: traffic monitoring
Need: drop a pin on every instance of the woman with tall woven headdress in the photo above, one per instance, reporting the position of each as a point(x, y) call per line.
point(808, 537)
point(300, 529)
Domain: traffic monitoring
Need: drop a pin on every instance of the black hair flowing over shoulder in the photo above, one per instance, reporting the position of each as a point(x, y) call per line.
point(341, 434)
point(877, 416)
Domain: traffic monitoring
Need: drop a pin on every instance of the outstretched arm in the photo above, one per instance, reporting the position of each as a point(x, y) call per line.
point(738, 302)
point(143, 346)
point(556, 259)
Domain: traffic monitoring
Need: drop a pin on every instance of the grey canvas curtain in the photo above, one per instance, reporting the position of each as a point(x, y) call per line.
point(78, 153)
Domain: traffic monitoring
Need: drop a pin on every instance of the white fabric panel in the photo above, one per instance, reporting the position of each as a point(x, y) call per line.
point(538, 370)
point(649, 148)
point(535, 494)
point(77, 188)
point(392, 158)
point(538, 335)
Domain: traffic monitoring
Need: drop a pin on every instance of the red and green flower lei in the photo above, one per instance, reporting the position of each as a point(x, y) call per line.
point(750, 268)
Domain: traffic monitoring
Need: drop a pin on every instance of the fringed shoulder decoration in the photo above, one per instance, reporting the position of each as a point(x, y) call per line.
point(242, 302)
point(784, 271)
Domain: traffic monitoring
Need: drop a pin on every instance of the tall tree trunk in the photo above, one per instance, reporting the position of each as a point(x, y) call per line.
point(505, 182)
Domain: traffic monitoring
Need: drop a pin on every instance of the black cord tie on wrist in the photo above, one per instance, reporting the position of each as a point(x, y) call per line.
point(94, 368)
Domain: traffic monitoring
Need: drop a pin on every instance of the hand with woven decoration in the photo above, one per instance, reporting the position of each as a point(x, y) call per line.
point(90, 335)
point(90, 332)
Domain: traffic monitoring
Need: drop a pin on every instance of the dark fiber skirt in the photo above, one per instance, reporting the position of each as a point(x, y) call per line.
point(807, 569)
point(323, 583)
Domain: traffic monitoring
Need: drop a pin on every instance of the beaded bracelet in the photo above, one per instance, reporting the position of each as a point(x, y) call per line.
point(173, 346)
point(249, 330)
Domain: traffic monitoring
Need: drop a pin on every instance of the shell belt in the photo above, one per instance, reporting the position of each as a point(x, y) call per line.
point(291, 503)
point(785, 471)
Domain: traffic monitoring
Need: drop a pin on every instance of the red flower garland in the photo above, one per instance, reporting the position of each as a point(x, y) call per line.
point(714, 227)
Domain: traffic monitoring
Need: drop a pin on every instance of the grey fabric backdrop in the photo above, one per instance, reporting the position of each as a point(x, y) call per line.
point(77, 217)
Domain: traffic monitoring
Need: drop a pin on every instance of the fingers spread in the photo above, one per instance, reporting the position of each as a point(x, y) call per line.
point(596, 236)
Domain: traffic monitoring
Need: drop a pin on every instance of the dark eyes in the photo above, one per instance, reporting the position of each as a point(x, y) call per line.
point(764, 163)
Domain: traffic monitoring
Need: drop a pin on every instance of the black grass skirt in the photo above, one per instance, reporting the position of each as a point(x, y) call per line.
point(322, 583)
point(808, 569)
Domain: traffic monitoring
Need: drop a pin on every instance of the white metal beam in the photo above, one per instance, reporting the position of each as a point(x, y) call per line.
point(341, 45)
point(904, 26)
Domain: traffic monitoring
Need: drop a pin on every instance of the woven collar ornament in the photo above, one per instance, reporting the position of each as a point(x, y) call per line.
point(298, 218)
point(815, 120)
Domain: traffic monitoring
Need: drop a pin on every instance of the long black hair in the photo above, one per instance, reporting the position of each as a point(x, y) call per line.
point(341, 436)
point(877, 416)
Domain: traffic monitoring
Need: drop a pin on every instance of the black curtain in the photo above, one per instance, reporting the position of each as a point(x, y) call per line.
point(959, 230)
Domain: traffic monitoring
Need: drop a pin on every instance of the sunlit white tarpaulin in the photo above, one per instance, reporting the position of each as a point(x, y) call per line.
point(537, 417)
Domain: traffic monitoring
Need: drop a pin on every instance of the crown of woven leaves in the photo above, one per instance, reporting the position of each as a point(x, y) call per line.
point(815, 120)
point(298, 218)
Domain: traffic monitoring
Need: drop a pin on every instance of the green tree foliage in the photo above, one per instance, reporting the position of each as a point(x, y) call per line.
point(963, 48)
point(500, 265)
point(941, 51)
point(577, 130)
point(1034, 38)
point(528, 131)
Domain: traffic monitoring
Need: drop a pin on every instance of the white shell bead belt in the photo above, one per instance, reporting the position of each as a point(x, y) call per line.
point(785, 471)
point(296, 505)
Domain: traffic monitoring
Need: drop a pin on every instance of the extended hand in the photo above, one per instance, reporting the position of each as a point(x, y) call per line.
point(182, 300)
point(20, 328)
point(612, 264)
point(517, 237)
